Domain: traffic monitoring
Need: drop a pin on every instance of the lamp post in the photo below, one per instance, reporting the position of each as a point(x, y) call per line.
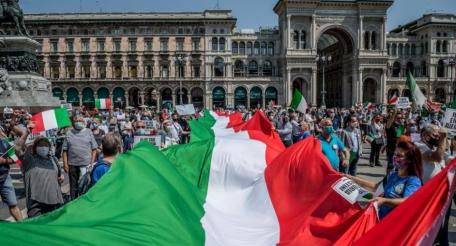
point(323, 60)
point(181, 61)
point(451, 62)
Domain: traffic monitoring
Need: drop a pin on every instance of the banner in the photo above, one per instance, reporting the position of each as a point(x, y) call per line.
point(449, 121)
point(403, 103)
point(187, 109)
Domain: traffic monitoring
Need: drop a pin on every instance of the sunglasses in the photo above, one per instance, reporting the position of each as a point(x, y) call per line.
point(140, 127)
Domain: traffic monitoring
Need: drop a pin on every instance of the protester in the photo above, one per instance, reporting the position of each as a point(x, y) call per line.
point(400, 184)
point(98, 133)
point(42, 178)
point(79, 150)
point(376, 134)
point(286, 131)
point(111, 145)
point(128, 137)
point(354, 144)
point(305, 130)
point(332, 146)
point(394, 130)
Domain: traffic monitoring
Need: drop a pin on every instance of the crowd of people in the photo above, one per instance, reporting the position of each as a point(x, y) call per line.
point(416, 147)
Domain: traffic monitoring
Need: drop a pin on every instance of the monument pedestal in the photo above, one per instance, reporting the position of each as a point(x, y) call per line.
point(20, 84)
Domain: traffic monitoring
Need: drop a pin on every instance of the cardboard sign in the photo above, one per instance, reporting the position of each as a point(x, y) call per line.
point(187, 109)
point(449, 121)
point(149, 124)
point(403, 103)
point(150, 139)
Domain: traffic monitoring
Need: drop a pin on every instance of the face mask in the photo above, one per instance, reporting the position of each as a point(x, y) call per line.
point(399, 162)
point(78, 125)
point(329, 130)
point(42, 151)
point(141, 131)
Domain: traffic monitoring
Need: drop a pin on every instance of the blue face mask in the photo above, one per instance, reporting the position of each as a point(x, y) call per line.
point(329, 130)
point(42, 151)
point(78, 125)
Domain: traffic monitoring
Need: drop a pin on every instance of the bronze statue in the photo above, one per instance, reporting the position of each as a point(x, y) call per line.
point(10, 11)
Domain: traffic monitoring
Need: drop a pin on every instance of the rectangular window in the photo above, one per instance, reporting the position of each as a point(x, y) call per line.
point(148, 45)
point(165, 73)
point(133, 45)
point(86, 71)
point(71, 72)
point(117, 46)
point(70, 46)
point(196, 44)
point(164, 44)
point(149, 71)
point(101, 45)
point(55, 71)
point(102, 72)
point(180, 44)
point(85, 46)
point(54, 47)
point(196, 71)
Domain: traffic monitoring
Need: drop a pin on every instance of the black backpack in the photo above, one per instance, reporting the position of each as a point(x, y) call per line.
point(85, 182)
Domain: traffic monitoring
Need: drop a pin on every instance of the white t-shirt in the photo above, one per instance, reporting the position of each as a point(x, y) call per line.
point(430, 169)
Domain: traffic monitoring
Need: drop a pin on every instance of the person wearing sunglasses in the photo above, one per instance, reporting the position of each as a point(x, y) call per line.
point(402, 182)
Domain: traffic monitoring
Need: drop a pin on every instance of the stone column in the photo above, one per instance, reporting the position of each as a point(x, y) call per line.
point(174, 98)
point(288, 31)
point(314, 86)
point(108, 67)
point(62, 72)
point(125, 72)
point(127, 99)
point(47, 67)
point(360, 33)
point(77, 69)
point(383, 95)
point(361, 85)
point(383, 33)
point(312, 33)
point(141, 96)
point(80, 98)
point(263, 98)
point(288, 87)
point(140, 68)
point(93, 68)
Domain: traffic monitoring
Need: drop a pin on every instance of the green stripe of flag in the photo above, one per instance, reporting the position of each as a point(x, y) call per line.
point(63, 119)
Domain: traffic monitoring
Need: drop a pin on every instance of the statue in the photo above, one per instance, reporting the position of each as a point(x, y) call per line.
point(5, 84)
point(10, 11)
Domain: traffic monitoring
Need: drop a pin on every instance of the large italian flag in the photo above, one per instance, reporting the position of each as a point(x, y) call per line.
point(234, 184)
point(51, 119)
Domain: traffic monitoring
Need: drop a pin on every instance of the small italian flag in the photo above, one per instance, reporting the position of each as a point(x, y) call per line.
point(103, 103)
point(12, 154)
point(299, 102)
point(51, 119)
point(393, 99)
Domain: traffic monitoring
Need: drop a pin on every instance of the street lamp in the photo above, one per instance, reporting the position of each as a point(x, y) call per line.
point(451, 62)
point(323, 60)
point(181, 61)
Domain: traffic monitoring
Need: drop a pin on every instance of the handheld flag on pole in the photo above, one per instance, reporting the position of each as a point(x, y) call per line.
point(299, 102)
point(416, 95)
point(393, 99)
point(51, 119)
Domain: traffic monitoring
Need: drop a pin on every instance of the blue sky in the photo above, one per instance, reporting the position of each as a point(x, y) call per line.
point(250, 13)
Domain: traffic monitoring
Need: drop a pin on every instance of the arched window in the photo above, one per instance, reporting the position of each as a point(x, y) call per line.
point(366, 40)
point(271, 96)
point(197, 96)
point(214, 44)
point(253, 68)
point(235, 48)
point(219, 67)
point(242, 48)
point(441, 69)
point(413, 50)
point(410, 68)
point(445, 46)
point(302, 43)
point(222, 44)
point(264, 48)
point(218, 97)
point(249, 48)
point(407, 49)
point(394, 50)
point(267, 68)
point(296, 39)
point(238, 68)
point(256, 97)
point(438, 46)
point(271, 48)
point(423, 69)
point(396, 69)
point(240, 97)
point(256, 49)
point(57, 92)
point(374, 40)
point(73, 96)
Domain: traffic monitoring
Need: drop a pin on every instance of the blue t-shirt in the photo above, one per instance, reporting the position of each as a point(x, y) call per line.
point(100, 169)
point(331, 149)
point(397, 187)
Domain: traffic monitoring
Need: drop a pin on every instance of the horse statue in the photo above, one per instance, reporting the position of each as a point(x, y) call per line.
point(10, 11)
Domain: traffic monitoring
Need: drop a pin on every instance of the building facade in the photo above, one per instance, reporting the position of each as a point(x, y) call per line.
point(335, 52)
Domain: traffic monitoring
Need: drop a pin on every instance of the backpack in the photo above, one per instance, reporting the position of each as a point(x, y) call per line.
point(85, 182)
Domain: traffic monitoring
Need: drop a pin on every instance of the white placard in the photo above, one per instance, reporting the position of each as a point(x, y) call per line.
point(150, 139)
point(402, 103)
point(351, 191)
point(449, 121)
point(187, 109)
